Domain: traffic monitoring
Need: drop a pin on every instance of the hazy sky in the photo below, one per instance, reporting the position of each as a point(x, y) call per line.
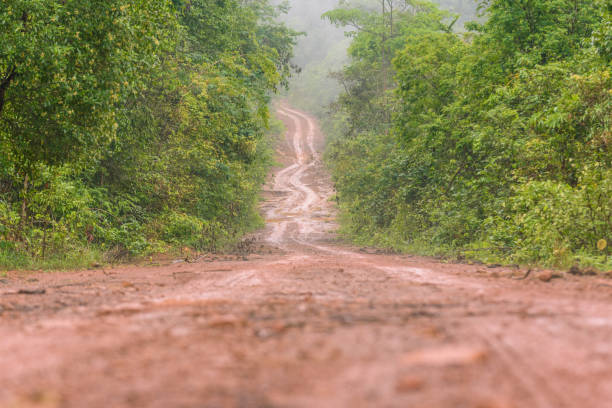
point(305, 15)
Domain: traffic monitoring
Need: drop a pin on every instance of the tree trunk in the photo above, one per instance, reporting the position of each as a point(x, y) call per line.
point(4, 84)
point(382, 50)
point(24, 204)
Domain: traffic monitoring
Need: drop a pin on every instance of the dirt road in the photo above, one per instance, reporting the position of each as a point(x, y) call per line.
point(304, 322)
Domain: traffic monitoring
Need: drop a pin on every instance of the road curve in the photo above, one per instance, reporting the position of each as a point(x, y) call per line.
point(304, 321)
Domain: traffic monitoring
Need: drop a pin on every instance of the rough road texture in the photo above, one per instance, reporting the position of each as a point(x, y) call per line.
point(305, 322)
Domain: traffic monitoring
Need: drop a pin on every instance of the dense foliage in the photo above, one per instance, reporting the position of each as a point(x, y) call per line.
point(133, 126)
point(322, 51)
point(494, 143)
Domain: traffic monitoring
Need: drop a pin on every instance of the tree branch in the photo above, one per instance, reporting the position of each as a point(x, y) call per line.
point(4, 84)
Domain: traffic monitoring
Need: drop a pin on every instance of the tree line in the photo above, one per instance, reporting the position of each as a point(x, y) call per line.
point(128, 127)
point(494, 142)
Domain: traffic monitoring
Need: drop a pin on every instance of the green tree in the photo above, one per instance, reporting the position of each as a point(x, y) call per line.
point(538, 31)
point(499, 140)
point(64, 66)
point(130, 127)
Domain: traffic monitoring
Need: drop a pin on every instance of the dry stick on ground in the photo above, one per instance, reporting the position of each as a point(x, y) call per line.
point(26, 292)
point(524, 276)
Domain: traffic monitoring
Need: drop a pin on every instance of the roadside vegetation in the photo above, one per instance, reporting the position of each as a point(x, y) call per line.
point(133, 127)
point(492, 142)
point(129, 128)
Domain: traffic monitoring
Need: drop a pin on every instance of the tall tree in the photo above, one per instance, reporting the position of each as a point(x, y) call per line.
point(63, 67)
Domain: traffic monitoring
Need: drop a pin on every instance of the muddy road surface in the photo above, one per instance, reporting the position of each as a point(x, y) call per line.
point(304, 321)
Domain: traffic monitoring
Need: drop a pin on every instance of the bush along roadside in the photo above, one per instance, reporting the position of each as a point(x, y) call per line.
point(132, 128)
point(492, 144)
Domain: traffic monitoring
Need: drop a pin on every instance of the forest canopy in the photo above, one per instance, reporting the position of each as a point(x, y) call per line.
point(128, 127)
point(493, 143)
point(473, 128)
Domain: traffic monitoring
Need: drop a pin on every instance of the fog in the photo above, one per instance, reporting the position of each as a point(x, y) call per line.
point(322, 49)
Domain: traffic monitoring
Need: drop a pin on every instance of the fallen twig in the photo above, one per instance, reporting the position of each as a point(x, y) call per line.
point(525, 276)
point(26, 292)
point(31, 291)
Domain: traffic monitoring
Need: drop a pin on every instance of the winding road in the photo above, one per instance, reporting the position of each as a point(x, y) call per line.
point(305, 321)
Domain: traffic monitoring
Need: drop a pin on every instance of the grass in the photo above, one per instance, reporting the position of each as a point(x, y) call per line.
point(476, 253)
point(13, 259)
